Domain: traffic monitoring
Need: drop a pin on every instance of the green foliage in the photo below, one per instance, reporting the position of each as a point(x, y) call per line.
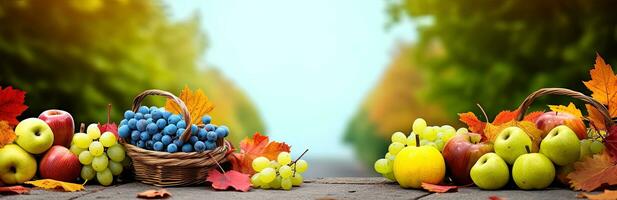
point(81, 55)
point(496, 52)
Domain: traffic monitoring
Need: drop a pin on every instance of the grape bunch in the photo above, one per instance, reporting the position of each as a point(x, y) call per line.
point(159, 130)
point(281, 173)
point(101, 155)
point(593, 144)
point(436, 136)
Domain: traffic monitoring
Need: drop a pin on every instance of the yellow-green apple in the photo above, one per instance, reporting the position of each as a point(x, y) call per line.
point(510, 143)
point(34, 135)
point(549, 120)
point(533, 171)
point(461, 153)
point(490, 172)
point(16, 165)
point(60, 164)
point(61, 124)
point(561, 145)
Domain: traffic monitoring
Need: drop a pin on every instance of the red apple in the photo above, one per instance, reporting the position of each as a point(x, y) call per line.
point(61, 124)
point(549, 120)
point(461, 153)
point(60, 164)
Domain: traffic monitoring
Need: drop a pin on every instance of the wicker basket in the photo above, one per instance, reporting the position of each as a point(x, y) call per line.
point(564, 92)
point(173, 169)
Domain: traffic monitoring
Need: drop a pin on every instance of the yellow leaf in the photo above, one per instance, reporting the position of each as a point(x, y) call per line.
point(571, 108)
point(6, 133)
point(196, 102)
point(603, 85)
point(54, 184)
point(491, 131)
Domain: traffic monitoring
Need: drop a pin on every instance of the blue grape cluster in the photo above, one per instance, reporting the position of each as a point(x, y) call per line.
point(159, 130)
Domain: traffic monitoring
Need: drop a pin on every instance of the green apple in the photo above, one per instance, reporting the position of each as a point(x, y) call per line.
point(510, 143)
point(533, 171)
point(490, 172)
point(561, 145)
point(16, 165)
point(34, 135)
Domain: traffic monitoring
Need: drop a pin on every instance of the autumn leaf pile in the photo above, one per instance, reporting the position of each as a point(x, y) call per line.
point(11, 106)
point(593, 172)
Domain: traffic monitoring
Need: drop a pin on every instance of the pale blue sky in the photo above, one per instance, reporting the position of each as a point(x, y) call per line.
point(307, 65)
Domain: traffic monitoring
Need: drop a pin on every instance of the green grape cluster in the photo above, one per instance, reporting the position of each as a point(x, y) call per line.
point(101, 155)
point(436, 136)
point(281, 173)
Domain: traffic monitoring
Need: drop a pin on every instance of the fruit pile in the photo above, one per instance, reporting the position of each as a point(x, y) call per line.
point(101, 155)
point(159, 130)
point(281, 173)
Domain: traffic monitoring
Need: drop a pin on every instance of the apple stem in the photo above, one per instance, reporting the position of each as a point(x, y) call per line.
point(527, 148)
point(417, 140)
point(82, 127)
point(483, 112)
point(108, 112)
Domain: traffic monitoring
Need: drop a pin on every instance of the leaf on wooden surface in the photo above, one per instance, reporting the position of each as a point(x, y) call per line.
point(603, 85)
point(251, 148)
point(54, 184)
point(439, 188)
point(571, 109)
point(495, 197)
point(7, 135)
point(606, 195)
point(593, 172)
point(196, 102)
point(232, 178)
point(11, 104)
point(154, 194)
point(18, 189)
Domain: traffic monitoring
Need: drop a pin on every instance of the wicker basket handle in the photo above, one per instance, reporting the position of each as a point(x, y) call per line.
point(187, 117)
point(565, 92)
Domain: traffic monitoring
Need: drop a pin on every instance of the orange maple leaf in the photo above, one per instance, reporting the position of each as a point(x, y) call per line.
point(607, 194)
point(506, 116)
point(251, 148)
point(593, 172)
point(571, 109)
point(474, 124)
point(603, 85)
point(6, 133)
point(154, 194)
point(196, 102)
point(596, 120)
point(439, 188)
point(54, 184)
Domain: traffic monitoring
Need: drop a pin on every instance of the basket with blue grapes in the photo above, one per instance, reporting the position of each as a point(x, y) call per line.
point(166, 149)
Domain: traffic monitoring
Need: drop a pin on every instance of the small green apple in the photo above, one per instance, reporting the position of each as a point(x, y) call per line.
point(34, 135)
point(533, 171)
point(16, 165)
point(561, 145)
point(510, 143)
point(490, 172)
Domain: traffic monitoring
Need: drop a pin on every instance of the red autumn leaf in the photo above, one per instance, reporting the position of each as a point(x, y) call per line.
point(607, 194)
point(109, 127)
point(14, 190)
point(593, 172)
point(11, 104)
point(610, 142)
point(154, 194)
point(232, 178)
point(251, 148)
point(494, 197)
point(474, 124)
point(533, 116)
point(477, 126)
point(439, 188)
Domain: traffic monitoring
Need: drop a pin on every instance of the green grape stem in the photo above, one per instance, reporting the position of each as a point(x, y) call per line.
point(294, 162)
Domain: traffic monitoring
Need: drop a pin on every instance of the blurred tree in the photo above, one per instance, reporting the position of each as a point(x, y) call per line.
point(497, 52)
point(80, 55)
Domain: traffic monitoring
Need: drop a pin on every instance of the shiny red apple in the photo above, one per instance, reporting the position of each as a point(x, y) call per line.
point(461, 153)
point(61, 124)
point(549, 120)
point(60, 164)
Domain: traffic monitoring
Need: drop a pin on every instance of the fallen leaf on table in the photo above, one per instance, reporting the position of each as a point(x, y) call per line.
point(231, 178)
point(571, 109)
point(196, 102)
point(11, 104)
point(477, 126)
point(439, 188)
point(154, 194)
point(494, 197)
point(54, 184)
point(593, 172)
point(603, 85)
point(251, 148)
point(7, 135)
point(14, 190)
point(606, 195)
